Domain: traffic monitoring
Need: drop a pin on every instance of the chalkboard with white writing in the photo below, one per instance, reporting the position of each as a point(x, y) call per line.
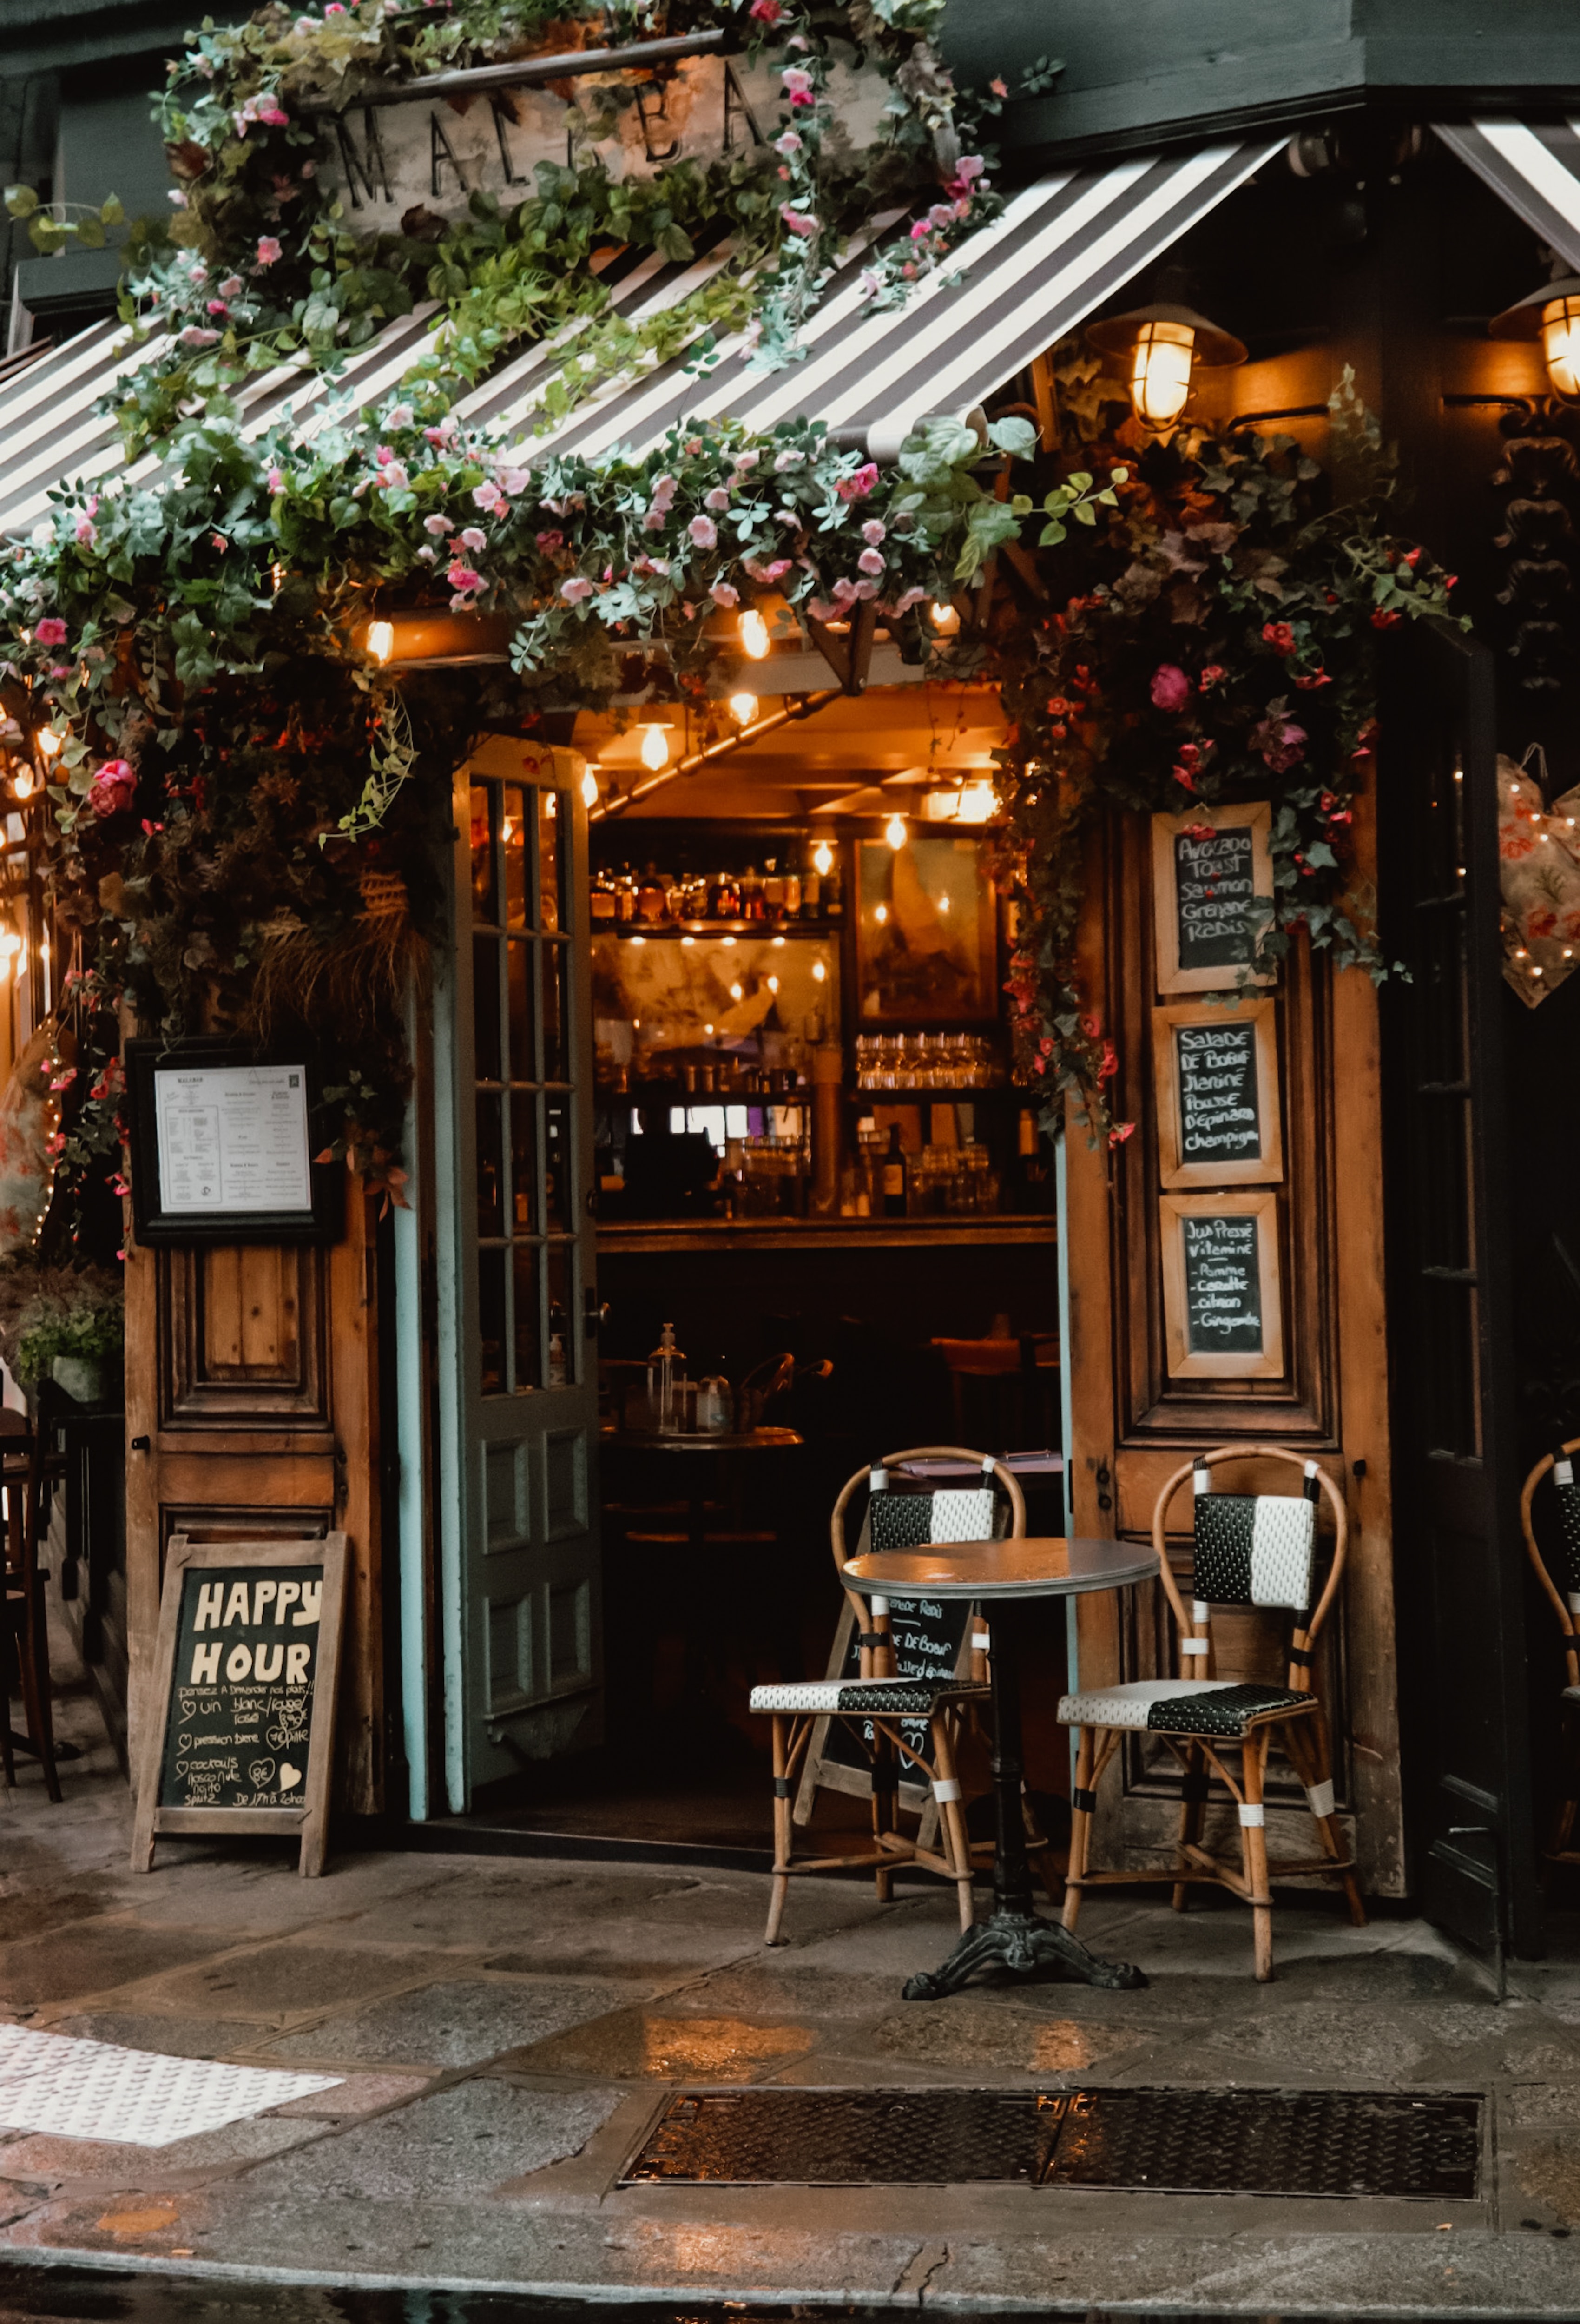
point(1214, 887)
point(248, 1658)
point(1223, 1285)
point(929, 1633)
point(1220, 1115)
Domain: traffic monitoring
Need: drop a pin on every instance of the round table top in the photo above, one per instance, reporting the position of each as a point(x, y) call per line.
point(750, 1440)
point(1037, 1565)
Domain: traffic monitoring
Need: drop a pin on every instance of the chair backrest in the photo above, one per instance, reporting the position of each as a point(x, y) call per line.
point(900, 1516)
point(1251, 1549)
point(1565, 1603)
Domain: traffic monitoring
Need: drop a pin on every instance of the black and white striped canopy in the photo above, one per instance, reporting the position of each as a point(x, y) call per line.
point(1534, 168)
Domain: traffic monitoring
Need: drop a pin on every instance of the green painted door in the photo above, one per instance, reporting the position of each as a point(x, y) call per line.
point(519, 1390)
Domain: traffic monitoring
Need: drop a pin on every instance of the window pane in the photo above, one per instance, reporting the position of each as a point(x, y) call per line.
point(483, 905)
point(557, 1065)
point(485, 1007)
point(491, 1188)
point(490, 1320)
point(523, 1049)
point(562, 1337)
point(523, 1161)
point(529, 1370)
point(516, 838)
point(558, 1188)
point(551, 814)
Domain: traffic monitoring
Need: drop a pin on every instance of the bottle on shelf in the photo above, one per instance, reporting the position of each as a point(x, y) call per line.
point(625, 897)
point(665, 1370)
point(792, 910)
point(810, 892)
point(723, 898)
point(751, 894)
point(603, 900)
point(773, 890)
point(895, 1176)
point(650, 898)
point(833, 893)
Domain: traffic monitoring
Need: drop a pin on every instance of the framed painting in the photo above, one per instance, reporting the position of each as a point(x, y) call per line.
point(927, 933)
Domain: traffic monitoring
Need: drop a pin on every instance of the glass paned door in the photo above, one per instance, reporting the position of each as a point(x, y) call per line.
point(517, 1257)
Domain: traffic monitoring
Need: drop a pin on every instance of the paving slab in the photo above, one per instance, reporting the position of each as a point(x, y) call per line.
point(460, 2023)
point(63, 2161)
point(641, 2044)
point(459, 2145)
point(95, 1957)
point(295, 1979)
point(170, 2035)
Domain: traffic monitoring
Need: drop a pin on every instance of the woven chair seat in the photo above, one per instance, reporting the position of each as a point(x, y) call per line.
point(1179, 1706)
point(915, 1697)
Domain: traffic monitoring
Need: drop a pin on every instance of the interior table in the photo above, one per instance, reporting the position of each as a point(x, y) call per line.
point(1003, 1572)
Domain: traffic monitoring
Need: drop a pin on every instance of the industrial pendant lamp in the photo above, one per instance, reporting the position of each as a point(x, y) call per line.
point(1162, 348)
point(1552, 315)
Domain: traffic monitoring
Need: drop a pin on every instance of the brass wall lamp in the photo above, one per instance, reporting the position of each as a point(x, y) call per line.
point(1552, 315)
point(1162, 348)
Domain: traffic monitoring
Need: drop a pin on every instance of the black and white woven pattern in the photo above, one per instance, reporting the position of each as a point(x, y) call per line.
point(897, 1520)
point(1174, 1706)
point(1568, 1493)
point(1254, 1549)
point(913, 1696)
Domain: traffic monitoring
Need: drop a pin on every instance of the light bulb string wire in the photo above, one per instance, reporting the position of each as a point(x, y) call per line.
point(804, 706)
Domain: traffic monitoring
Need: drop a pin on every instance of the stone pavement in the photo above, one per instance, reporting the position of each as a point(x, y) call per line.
point(508, 2029)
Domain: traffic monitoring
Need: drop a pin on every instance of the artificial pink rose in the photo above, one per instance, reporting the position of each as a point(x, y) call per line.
point(1171, 689)
point(725, 594)
point(856, 488)
point(113, 789)
point(576, 589)
point(267, 249)
point(703, 531)
point(766, 12)
point(51, 631)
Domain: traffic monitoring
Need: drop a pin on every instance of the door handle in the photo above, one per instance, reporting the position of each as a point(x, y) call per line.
point(594, 1313)
point(141, 1444)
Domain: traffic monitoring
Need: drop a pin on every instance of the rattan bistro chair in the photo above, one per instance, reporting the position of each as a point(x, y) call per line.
point(877, 1704)
point(1251, 1550)
point(1565, 1604)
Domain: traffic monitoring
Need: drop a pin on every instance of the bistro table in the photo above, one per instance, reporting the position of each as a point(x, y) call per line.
point(1035, 1566)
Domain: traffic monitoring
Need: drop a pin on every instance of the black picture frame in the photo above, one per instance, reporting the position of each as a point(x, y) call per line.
point(153, 1219)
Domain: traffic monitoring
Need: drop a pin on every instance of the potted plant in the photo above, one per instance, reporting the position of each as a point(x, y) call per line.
point(64, 1323)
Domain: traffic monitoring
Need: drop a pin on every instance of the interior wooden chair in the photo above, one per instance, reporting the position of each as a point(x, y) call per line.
point(1250, 1550)
point(873, 1704)
point(29, 1469)
point(1566, 1605)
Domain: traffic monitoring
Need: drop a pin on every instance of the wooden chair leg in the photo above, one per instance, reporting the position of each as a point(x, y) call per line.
point(1081, 1824)
point(42, 1715)
point(1192, 1816)
point(784, 1830)
point(885, 1809)
point(1254, 1849)
point(946, 1790)
point(1313, 1764)
point(7, 1757)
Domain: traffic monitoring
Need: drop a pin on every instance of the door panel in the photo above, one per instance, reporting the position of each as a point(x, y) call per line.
point(513, 1020)
point(1457, 1525)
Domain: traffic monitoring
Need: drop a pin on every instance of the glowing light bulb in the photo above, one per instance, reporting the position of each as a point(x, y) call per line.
point(818, 973)
point(9, 943)
point(49, 740)
point(753, 632)
point(654, 747)
point(945, 620)
point(380, 639)
point(743, 709)
point(1159, 372)
point(772, 985)
point(943, 904)
point(896, 833)
point(735, 993)
point(823, 857)
point(21, 783)
point(1560, 344)
point(589, 788)
point(881, 915)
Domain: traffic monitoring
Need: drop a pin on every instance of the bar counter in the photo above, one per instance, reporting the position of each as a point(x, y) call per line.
point(990, 1230)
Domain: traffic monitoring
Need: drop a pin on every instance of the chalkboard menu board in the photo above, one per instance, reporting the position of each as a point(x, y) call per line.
point(1217, 1073)
point(928, 1636)
point(1221, 1287)
point(1208, 873)
point(249, 1647)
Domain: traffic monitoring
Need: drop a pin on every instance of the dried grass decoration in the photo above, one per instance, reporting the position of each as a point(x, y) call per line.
point(353, 981)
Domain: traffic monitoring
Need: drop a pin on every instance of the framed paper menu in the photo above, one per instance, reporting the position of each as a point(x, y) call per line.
point(222, 1146)
point(1215, 1068)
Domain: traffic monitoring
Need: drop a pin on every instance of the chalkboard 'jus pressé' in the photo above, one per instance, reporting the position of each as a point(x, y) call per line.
point(241, 1696)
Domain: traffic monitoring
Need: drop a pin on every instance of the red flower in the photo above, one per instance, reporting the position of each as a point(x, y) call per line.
point(1109, 1064)
point(1384, 620)
point(1120, 1132)
point(1213, 675)
point(1171, 689)
point(1412, 557)
point(113, 789)
point(766, 12)
point(1279, 636)
point(1311, 678)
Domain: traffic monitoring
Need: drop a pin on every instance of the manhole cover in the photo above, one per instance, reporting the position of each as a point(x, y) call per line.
point(852, 2138)
point(1178, 2142)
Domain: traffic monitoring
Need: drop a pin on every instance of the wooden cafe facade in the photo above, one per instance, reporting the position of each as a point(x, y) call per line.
point(719, 1041)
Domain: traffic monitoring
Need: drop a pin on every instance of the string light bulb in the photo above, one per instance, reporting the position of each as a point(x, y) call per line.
point(590, 789)
point(753, 632)
point(655, 746)
point(380, 639)
point(743, 709)
point(823, 857)
point(49, 740)
point(945, 618)
point(21, 783)
point(896, 832)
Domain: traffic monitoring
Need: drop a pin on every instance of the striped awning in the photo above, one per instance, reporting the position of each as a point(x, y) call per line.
point(1534, 167)
point(1060, 249)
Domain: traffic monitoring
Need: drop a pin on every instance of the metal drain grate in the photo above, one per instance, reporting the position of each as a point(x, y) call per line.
point(1273, 2143)
point(1181, 2142)
point(852, 2138)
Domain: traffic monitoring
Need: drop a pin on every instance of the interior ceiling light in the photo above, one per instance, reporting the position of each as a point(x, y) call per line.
point(1162, 348)
point(743, 709)
point(1552, 315)
point(380, 639)
point(753, 632)
point(589, 787)
point(656, 746)
point(822, 856)
point(896, 832)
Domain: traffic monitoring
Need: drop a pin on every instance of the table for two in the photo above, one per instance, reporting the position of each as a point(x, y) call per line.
point(1005, 1573)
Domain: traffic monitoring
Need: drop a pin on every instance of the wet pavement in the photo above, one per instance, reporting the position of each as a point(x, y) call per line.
point(508, 2030)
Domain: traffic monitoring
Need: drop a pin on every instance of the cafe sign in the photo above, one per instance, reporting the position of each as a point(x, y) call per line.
point(431, 150)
